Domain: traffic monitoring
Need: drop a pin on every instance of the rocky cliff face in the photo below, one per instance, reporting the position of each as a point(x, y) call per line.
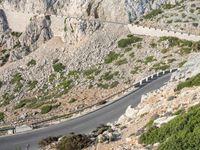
point(3, 22)
point(77, 30)
point(36, 34)
point(190, 69)
point(118, 10)
point(16, 45)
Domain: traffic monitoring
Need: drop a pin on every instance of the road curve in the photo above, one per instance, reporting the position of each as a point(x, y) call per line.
point(82, 124)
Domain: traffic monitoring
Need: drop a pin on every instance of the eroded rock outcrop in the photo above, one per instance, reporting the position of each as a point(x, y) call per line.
point(121, 11)
point(36, 34)
point(78, 30)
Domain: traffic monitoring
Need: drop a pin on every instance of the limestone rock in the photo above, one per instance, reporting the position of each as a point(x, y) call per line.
point(158, 122)
point(36, 34)
point(3, 22)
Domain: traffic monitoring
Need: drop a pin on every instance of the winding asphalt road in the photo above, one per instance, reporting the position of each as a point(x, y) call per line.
point(82, 124)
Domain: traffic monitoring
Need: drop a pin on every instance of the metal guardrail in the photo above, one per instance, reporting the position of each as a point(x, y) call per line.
point(151, 77)
point(139, 84)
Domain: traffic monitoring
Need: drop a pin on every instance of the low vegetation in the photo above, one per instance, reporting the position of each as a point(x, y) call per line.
point(149, 59)
point(47, 141)
point(153, 13)
point(160, 66)
point(183, 132)
point(112, 56)
point(185, 46)
point(21, 104)
point(72, 100)
point(91, 71)
point(32, 84)
point(57, 66)
point(16, 78)
point(128, 41)
point(121, 62)
point(191, 82)
point(100, 129)
point(74, 142)
point(45, 109)
point(32, 62)
point(1, 84)
point(182, 63)
point(2, 116)
point(109, 75)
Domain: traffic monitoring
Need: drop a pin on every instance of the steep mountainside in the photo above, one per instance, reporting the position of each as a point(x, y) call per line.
point(94, 60)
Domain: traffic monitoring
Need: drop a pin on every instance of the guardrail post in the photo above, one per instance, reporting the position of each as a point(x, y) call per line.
point(147, 79)
point(152, 76)
point(157, 74)
point(171, 70)
point(140, 82)
point(163, 72)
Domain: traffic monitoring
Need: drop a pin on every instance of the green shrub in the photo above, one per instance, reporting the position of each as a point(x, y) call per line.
point(139, 45)
point(153, 13)
point(149, 59)
point(18, 87)
point(21, 104)
point(66, 84)
point(194, 81)
point(32, 62)
point(58, 67)
point(165, 50)
point(1, 84)
point(74, 142)
point(34, 103)
point(183, 132)
point(132, 55)
point(153, 44)
point(52, 77)
point(101, 129)
point(45, 109)
point(136, 69)
point(168, 6)
point(2, 116)
point(128, 41)
point(47, 141)
point(180, 111)
point(185, 50)
point(128, 49)
point(171, 60)
point(16, 78)
point(91, 71)
point(17, 45)
point(108, 75)
point(73, 73)
point(112, 56)
point(103, 85)
point(181, 63)
point(160, 66)
point(17, 34)
point(72, 100)
point(114, 84)
point(121, 62)
point(32, 84)
point(174, 41)
point(7, 98)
